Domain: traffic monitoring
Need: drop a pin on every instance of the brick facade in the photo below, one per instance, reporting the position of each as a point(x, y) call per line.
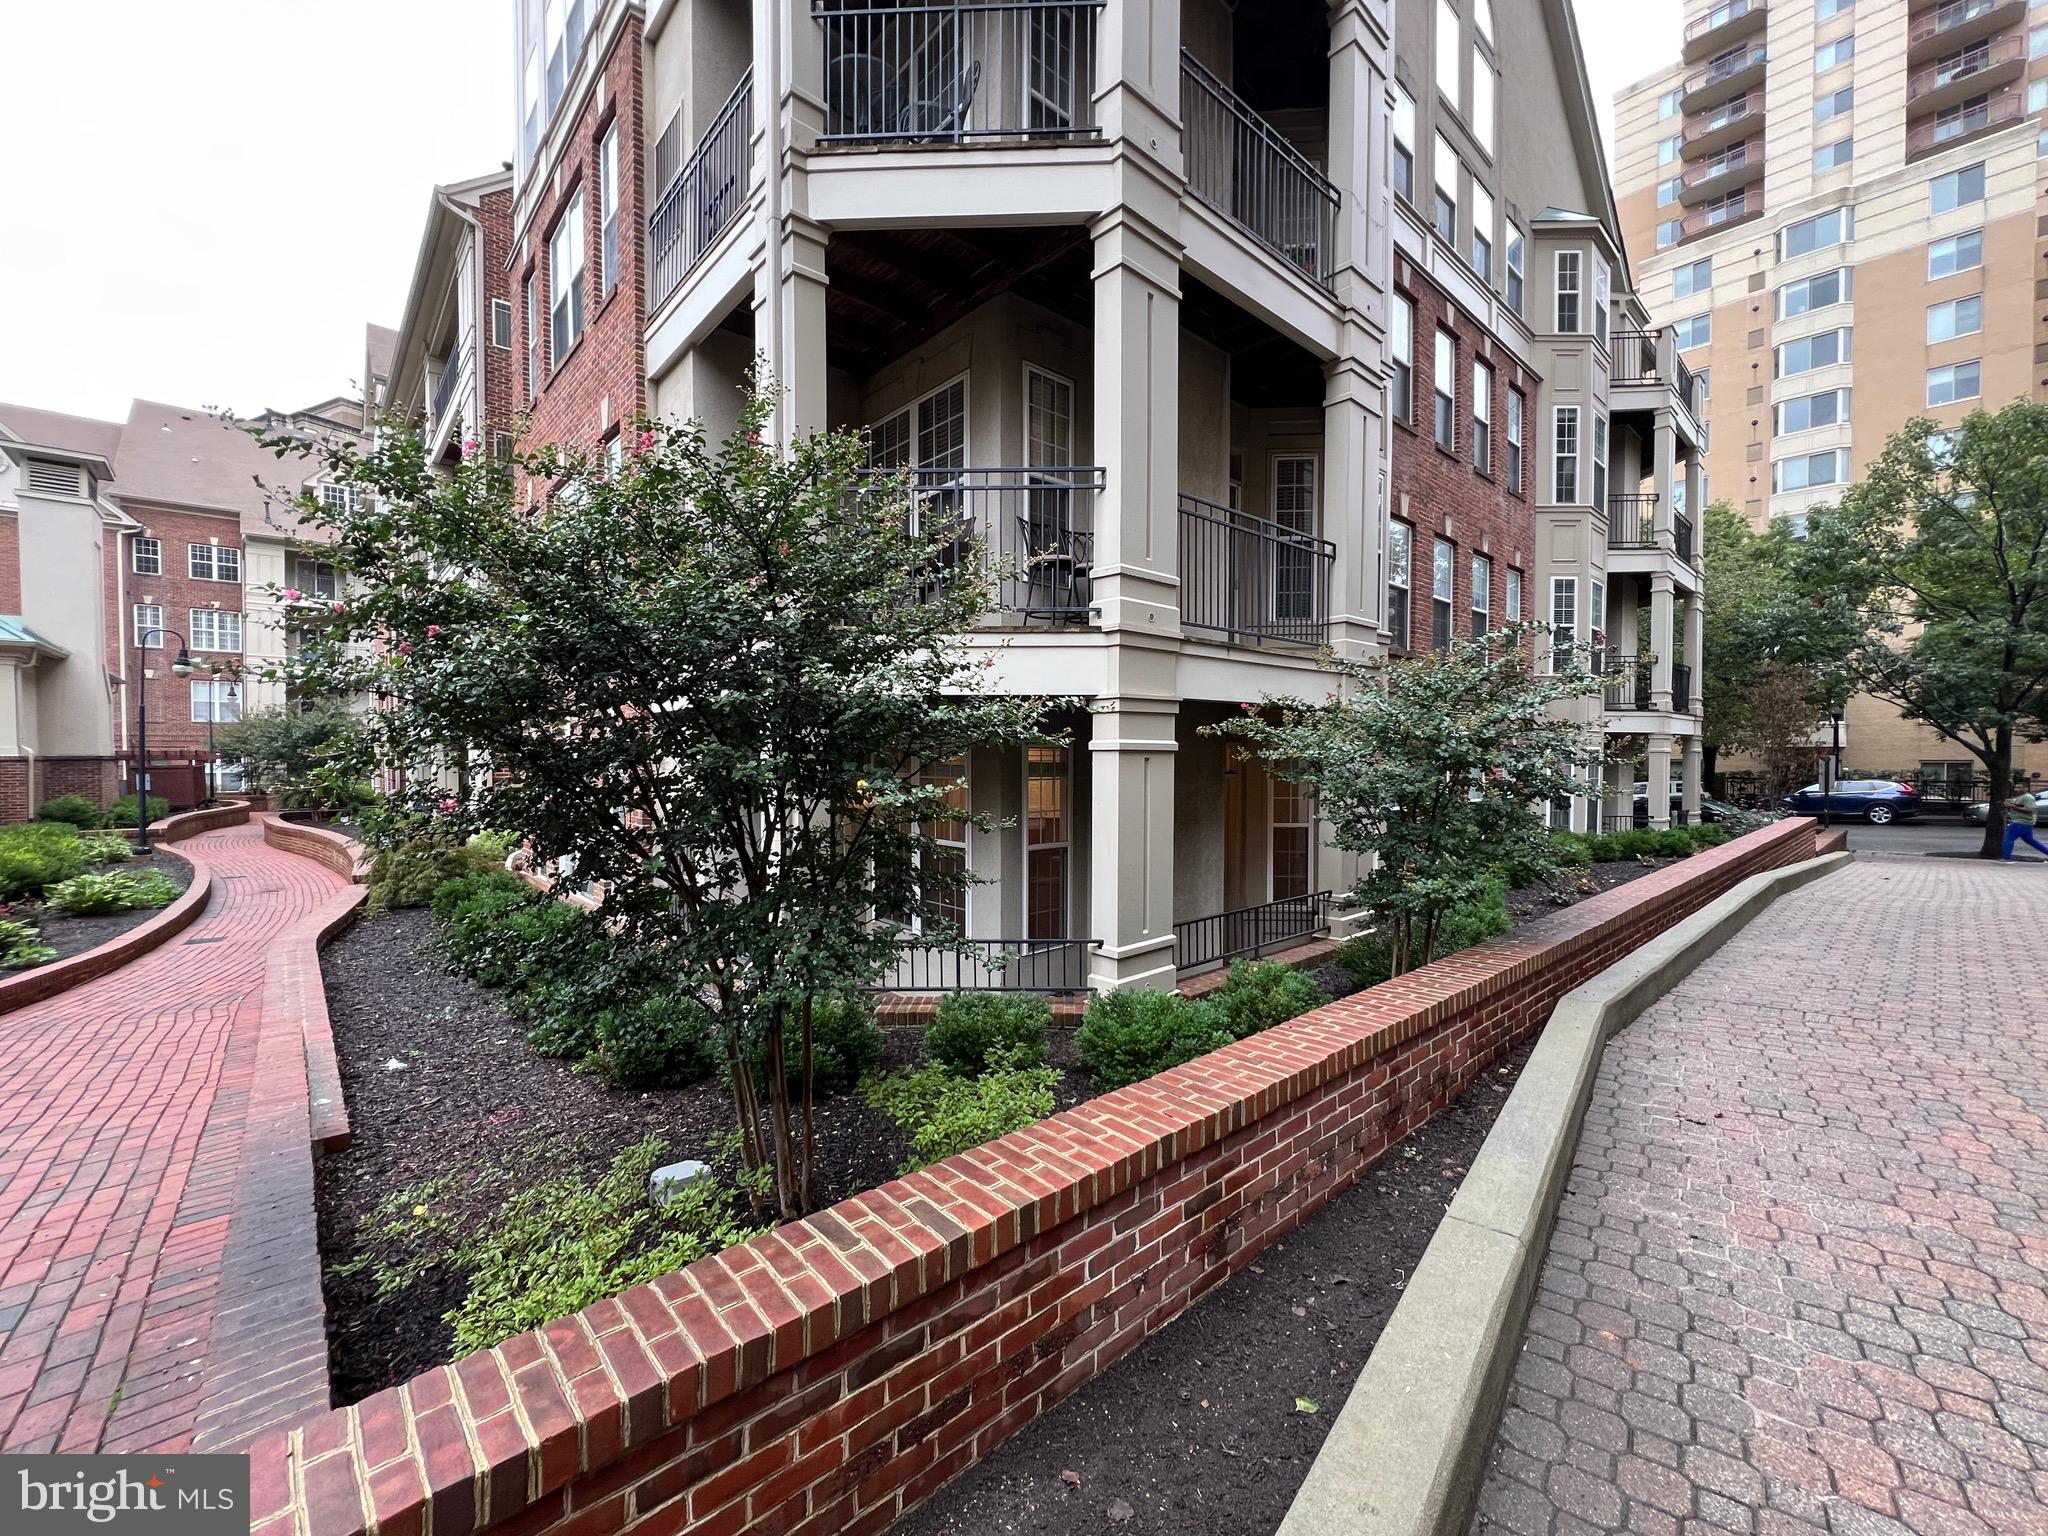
point(828, 1376)
point(600, 382)
point(1443, 495)
point(10, 561)
point(500, 373)
point(171, 726)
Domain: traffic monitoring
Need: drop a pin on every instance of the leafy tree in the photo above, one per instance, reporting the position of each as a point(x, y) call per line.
point(719, 677)
point(1934, 566)
point(1437, 766)
point(284, 748)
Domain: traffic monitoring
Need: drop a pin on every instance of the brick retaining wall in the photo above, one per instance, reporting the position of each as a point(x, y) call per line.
point(830, 1375)
point(343, 855)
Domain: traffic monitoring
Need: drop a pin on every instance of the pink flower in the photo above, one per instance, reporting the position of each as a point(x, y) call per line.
point(448, 805)
point(405, 648)
point(433, 630)
point(646, 441)
point(292, 594)
point(468, 446)
point(339, 607)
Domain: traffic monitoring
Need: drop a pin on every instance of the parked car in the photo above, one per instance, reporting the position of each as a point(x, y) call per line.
point(1710, 809)
point(1877, 801)
point(1977, 815)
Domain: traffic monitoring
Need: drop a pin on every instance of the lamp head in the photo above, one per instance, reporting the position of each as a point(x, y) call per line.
point(183, 667)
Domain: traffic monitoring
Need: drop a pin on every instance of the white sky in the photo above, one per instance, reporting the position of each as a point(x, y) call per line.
point(212, 196)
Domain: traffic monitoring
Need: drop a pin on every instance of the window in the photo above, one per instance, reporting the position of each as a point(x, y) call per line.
point(1600, 279)
point(2037, 42)
point(1514, 596)
point(1569, 265)
point(928, 434)
point(1290, 823)
point(1704, 378)
point(1446, 392)
point(313, 578)
point(1045, 842)
point(1482, 594)
point(1293, 578)
point(1670, 232)
point(216, 700)
point(1443, 576)
point(1694, 330)
point(1833, 55)
point(1829, 156)
point(1564, 617)
point(1831, 106)
point(212, 562)
point(1564, 454)
point(1823, 229)
point(1404, 144)
point(1958, 317)
point(1482, 101)
point(1517, 408)
point(1958, 253)
point(2037, 95)
point(1516, 257)
point(1482, 18)
point(1668, 149)
point(1811, 352)
point(1817, 292)
point(1668, 190)
point(1802, 413)
point(1823, 9)
point(943, 869)
point(1957, 188)
point(501, 324)
point(1689, 280)
point(1446, 170)
point(1482, 417)
point(149, 557)
point(1668, 103)
point(565, 282)
point(1448, 53)
point(1808, 471)
point(215, 629)
point(608, 212)
point(338, 498)
point(532, 338)
point(1596, 612)
point(1404, 359)
point(1958, 381)
point(149, 626)
point(1400, 555)
point(1599, 460)
point(1959, 122)
point(1482, 232)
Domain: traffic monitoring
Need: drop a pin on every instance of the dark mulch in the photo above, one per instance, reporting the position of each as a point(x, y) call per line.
point(470, 1096)
point(75, 935)
point(1533, 904)
point(1197, 1431)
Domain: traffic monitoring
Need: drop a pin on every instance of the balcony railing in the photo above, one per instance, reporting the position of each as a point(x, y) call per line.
point(1970, 66)
point(1747, 205)
point(706, 195)
point(1736, 64)
point(991, 965)
point(1687, 384)
point(1632, 522)
point(1681, 688)
point(1250, 931)
point(907, 75)
point(1722, 24)
point(1681, 536)
point(1241, 166)
point(1960, 124)
point(1732, 119)
point(1719, 169)
point(1627, 684)
point(1959, 21)
point(1251, 579)
point(1035, 526)
point(444, 388)
point(1635, 357)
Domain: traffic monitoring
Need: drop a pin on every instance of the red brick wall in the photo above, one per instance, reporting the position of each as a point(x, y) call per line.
point(96, 778)
point(341, 854)
point(501, 387)
point(171, 726)
point(1446, 496)
point(606, 371)
point(830, 1375)
point(14, 790)
point(10, 562)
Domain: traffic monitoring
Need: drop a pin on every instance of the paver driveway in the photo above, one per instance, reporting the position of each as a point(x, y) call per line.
point(159, 1283)
point(1799, 1280)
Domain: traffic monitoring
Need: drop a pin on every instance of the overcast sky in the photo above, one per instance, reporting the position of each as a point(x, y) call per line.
point(210, 197)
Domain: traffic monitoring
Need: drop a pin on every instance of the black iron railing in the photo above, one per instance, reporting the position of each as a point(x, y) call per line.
point(706, 195)
point(1244, 168)
point(1632, 522)
point(991, 965)
point(1681, 688)
point(1681, 533)
point(1250, 931)
point(1688, 385)
point(1036, 526)
point(444, 387)
point(1250, 578)
point(1627, 684)
point(905, 75)
point(1635, 357)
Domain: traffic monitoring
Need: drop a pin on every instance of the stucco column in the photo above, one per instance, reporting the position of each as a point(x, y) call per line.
point(1130, 860)
point(1695, 759)
point(1695, 646)
point(789, 326)
point(1362, 264)
point(1660, 780)
point(1136, 282)
point(1666, 459)
point(1353, 514)
point(789, 252)
point(1620, 796)
point(1661, 637)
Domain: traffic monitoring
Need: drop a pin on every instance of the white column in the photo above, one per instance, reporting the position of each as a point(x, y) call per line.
point(1660, 640)
point(1695, 646)
point(1130, 860)
point(789, 326)
point(1660, 780)
point(1665, 434)
point(1353, 515)
point(789, 253)
point(1695, 758)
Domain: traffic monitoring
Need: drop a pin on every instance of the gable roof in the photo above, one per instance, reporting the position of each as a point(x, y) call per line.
point(59, 429)
point(181, 456)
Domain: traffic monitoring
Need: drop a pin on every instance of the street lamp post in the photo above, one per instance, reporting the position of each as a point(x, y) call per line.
point(212, 710)
point(182, 667)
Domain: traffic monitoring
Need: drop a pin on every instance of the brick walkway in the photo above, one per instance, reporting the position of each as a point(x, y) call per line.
point(1799, 1280)
point(159, 1279)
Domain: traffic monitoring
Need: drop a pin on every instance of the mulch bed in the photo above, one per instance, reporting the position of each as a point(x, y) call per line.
point(75, 935)
point(1198, 1431)
point(1535, 903)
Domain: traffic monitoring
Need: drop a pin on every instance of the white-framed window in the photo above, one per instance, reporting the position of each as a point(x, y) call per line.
point(1517, 267)
point(1810, 471)
point(1404, 143)
point(1482, 18)
point(1600, 300)
point(1449, 51)
point(1834, 55)
point(1802, 413)
point(1564, 454)
point(532, 338)
point(1596, 611)
point(608, 211)
point(214, 629)
point(929, 433)
point(1958, 317)
point(1296, 481)
point(1829, 156)
point(1956, 253)
point(1668, 190)
point(1668, 149)
point(1668, 103)
point(1958, 187)
point(1400, 563)
point(1564, 617)
point(1823, 229)
point(1482, 101)
point(217, 699)
point(1446, 391)
point(1670, 232)
point(1599, 460)
point(1443, 578)
point(338, 498)
point(1693, 330)
point(1957, 381)
point(565, 282)
point(1833, 105)
point(213, 562)
point(2037, 42)
point(2037, 94)
point(1694, 277)
point(1445, 173)
point(1048, 419)
point(1517, 435)
point(1835, 286)
point(148, 622)
point(1482, 232)
point(1823, 9)
point(501, 324)
point(148, 558)
point(1514, 595)
point(1404, 359)
point(1482, 417)
point(1047, 841)
point(1482, 594)
point(1570, 281)
point(942, 871)
point(1811, 352)
point(1292, 845)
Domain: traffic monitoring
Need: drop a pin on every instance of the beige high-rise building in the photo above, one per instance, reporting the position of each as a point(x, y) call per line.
point(1833, 204)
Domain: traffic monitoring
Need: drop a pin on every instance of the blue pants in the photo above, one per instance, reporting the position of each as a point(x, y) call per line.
point(2015, 833)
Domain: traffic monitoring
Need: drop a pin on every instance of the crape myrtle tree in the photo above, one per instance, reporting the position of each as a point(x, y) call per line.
point(1935, 568)
point(1442, 767)
point(718, 676)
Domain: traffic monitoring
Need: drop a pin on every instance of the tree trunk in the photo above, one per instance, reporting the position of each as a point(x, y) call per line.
point(2001, 791)
point(778, 1104)
point(747, 1107)
point(807, 1165)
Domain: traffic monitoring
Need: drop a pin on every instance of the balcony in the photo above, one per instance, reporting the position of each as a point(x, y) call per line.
point(1960, 124)
point(1034, 527)
point(1746, 204)
point(1972, 71)
point(1730, 121)
point(990, 965)
point(1681, 536)
point(1250, 932)
point(1637, 360)
point(452, 369)
point(1729, 75)
point(1948, 27)
point(1720, 174)
point(706, 195)
point(1632, 522)
point(1724, 26)
point(1625, 681)
point(1242, 167)
point(999, 71)
point(1251, 580)
point(1681, 688)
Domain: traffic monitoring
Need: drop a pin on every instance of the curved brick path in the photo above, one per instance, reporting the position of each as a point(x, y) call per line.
point(159, 1280)
point(1799, 1280)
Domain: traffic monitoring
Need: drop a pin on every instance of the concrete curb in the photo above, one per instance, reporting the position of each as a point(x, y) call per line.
point(1408, 1453)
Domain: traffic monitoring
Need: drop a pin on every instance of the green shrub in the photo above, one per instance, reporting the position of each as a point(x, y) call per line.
point(107, 848)
point(20, 947)
point(76, 810)
point(1126, 1037)
point(945, 1112)
point(122, 812)
point(1258, 996)
point(1370, 957)
point(496, 846)
point(846, 1044)
point(450, 896)
point(971, 1025)
point(407, 874)
point(96, 895)
point(659, 1042)
point(38, 854)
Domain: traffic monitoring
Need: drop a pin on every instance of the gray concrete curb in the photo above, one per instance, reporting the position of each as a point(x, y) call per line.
point(1408, 1453)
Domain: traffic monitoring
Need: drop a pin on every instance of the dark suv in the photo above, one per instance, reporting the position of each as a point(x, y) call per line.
point(1877, 801)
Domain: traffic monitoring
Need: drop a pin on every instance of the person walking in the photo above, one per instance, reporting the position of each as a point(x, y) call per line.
point(2022, 812)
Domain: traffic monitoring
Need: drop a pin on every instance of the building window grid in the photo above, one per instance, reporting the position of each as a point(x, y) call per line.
point(1400, 562)
point(1514, 595)
point(1482, 417)
point(1443, 578)
point(565, 282)
point(214, 629)
point(1517, 412)
point(1955, 253)
point(1446, 385)
point(148, 557)
point(147, 620)
point(213, 562)
point(1564, 439)
point(1953, 382)
point(1957, 317)
point(1570, 276)
point(608, 211)
point(1404, 359)
point(1482, 594)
